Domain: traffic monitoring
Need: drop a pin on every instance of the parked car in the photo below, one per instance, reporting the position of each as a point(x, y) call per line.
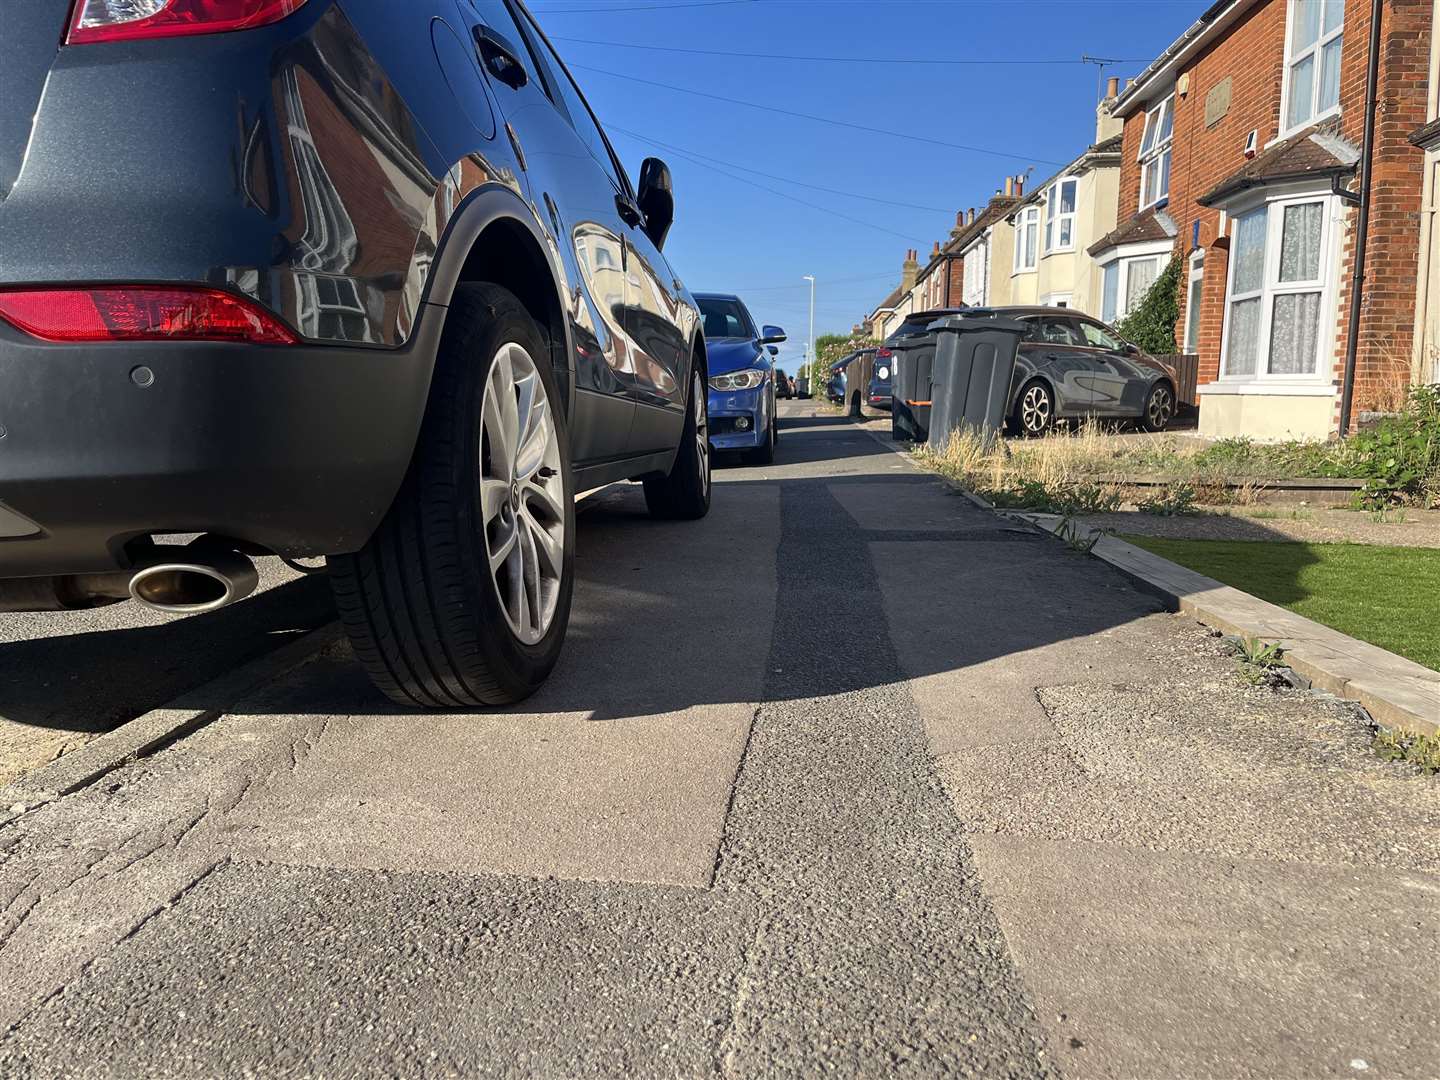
point(1071, 366)
point(784, 385)
point(859, 370)
point(742, 377)
point(878, 395)
point(313, 298)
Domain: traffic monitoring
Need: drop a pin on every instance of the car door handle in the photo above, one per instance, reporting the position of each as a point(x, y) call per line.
point(499, 57)
point(629, 212)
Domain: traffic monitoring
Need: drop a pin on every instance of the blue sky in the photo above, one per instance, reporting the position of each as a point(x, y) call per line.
point(734, 236)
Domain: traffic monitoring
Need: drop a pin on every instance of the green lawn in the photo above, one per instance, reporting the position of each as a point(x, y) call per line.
point(1388, 596)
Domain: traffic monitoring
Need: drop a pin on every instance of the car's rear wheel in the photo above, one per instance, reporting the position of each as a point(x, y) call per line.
point(684, 493)
point(462, 596)
point(1159, 408)
point(1035, 411)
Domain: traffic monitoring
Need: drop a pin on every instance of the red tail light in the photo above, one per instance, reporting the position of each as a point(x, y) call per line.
point(142, 313)
point(881, 354)
point(121, 20)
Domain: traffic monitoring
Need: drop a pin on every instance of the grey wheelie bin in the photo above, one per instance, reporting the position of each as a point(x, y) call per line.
point(911, 357)
point(973, 367)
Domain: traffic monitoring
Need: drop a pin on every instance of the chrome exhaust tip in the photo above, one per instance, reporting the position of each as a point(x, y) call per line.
point(199, 578)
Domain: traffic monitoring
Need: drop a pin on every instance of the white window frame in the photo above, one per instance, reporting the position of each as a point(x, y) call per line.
point(1126, 256)
point(1053, 219)
point(1150, 159)
point(1059, 299)
point(1194, 293)
point(1026, 219)
point(1291, 59)
point(971, 295)
point(1327, 284)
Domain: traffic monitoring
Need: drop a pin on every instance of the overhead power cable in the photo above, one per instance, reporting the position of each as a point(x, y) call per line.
point(821, 119)
point(771, 176)
point(894, 60)
point(766, 187)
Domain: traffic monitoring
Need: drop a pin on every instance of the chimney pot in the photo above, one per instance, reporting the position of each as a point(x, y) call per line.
point(1009, 186)
point(1019, 187)
point(970, 217)
point(1112, 88)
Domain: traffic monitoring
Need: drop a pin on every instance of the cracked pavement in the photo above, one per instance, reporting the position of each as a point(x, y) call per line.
point(850, 778)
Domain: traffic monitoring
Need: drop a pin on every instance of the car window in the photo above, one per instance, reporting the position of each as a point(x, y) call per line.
point(1053, 331)
point(497, 15)
point(583, 120)
point(1097, 337)
point(725, 318)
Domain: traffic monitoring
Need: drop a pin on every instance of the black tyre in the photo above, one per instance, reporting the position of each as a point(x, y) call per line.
point(462, 596)
point(1159, 407)
point(764, 454)
point(684, 494)
point(1035, 409)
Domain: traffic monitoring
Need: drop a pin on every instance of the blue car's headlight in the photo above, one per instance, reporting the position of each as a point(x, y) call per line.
point(738, 380)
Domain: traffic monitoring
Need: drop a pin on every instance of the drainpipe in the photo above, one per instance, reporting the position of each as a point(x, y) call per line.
point(1362, 224)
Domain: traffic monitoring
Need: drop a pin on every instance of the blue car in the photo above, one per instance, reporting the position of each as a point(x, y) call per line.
point(742, 377)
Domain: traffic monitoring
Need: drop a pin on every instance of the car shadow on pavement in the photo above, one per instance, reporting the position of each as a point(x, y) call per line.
point(96, 680)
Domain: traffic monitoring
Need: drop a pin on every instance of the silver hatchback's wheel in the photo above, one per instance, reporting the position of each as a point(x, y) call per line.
point(1159, 408)
point(1037, 409)
point(522, 493)
point(684, 492)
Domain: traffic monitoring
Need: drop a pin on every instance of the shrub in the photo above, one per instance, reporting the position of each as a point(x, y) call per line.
point(1152, 324)
point(1172, 501)
point(1399, 459)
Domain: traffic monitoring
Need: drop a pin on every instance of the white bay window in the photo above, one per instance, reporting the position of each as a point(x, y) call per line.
point(1280, 290)
point(1027, 235)
point(1127, 277)
point(1060, 215)
point(1313, 45)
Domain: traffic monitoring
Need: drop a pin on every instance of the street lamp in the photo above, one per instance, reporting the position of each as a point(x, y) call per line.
point(811, 343)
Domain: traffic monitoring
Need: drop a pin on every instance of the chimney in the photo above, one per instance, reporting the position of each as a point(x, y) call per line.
point(1112, 88)
point(1009, 187)
point(910, 271)
point(959, 223)
point(1107, 124)
point(936, 250)
point(970, 217)
point(1019, 187)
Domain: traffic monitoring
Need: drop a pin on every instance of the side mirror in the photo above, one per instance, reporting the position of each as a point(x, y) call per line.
point(771, 335)
point(773, 350)
point(656, 200)
point(1131, 350)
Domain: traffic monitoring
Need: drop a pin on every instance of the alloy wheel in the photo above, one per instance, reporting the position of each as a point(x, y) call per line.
point(522, 493)
point(1035, 410)
point(1161, 407)
point(702, 434)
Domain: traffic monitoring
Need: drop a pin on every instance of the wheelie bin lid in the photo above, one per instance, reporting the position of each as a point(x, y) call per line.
point(978, 319)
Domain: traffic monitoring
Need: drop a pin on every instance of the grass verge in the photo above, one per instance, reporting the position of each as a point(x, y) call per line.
point(1383, 595)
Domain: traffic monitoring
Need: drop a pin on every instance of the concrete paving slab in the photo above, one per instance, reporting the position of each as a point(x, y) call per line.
point(618, 769)
point(911, 505)
point(979, 626)
point(1149, 964)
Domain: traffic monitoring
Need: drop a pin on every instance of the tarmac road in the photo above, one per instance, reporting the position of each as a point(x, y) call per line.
point(851, 777)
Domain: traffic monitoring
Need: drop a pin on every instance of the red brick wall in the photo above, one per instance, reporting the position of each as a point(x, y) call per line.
point(1252, 55)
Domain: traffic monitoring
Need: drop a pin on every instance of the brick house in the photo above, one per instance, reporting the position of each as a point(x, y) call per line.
point(1242, 147)
point(1425, 360)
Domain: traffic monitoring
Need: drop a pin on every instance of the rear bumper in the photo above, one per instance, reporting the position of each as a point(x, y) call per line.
point(298, 449)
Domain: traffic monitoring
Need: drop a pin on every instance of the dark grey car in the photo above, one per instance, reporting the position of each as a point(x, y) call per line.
point(1071, 366)
point(360, 279)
